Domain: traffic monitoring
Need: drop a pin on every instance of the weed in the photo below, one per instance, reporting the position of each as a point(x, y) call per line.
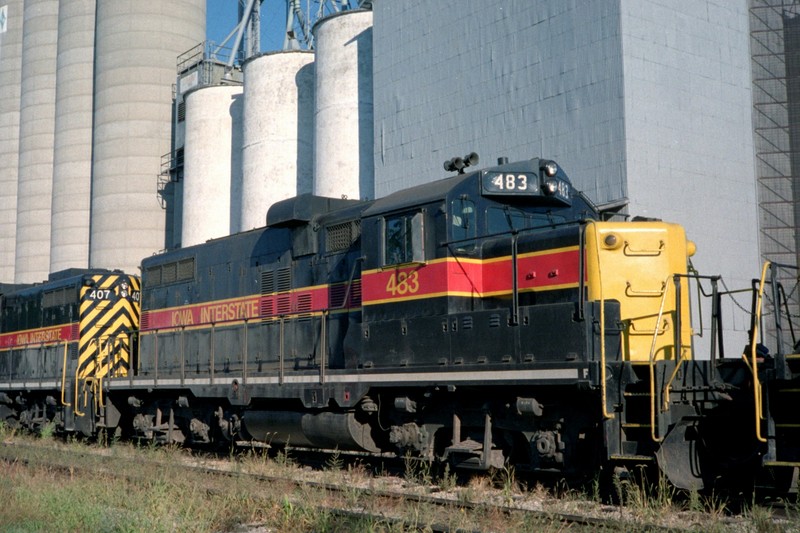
point(447, 480)
point(508, 481)
point(7, 432)
point(334, 462)
point(282, 458)
point(417, 470)
point(760, 519)
point(47, 430)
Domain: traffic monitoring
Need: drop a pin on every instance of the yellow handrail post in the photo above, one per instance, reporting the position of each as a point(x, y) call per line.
point(753, 360)
point(77, 411)
point(652, 363)
point(64, 376)
point(606, 414)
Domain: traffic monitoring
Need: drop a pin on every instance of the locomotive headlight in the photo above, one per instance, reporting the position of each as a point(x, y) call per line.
point(612, 241)
point(550, 168)
point(550, 187)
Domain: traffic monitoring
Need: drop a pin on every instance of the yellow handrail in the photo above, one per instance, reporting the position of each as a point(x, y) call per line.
point(64, 376)
point(606, 414)
point(77, 411)
point(753, 360)
point(652, 363)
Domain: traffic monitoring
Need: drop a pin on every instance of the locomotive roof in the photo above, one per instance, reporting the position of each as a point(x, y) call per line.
point(420, 194)
point(301, 209)
point(64, 278)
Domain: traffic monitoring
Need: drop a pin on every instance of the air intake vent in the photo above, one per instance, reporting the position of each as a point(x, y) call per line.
point(169, 273)
point(59, 297)
point(186, 269)
point(268, 282)
point(284, 280)
point(339, 237)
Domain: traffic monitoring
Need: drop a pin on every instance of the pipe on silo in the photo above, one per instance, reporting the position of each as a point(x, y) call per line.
point(277, 153)
point(10, 75)
point(343, 129)
point(72, 152)
point(36, 128)
point(212, 171)
point(136, 46)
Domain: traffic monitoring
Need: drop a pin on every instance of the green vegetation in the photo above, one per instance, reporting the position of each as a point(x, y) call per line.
point(117, 487)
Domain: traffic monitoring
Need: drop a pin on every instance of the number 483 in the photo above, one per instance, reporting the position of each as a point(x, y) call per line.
point(401, 283)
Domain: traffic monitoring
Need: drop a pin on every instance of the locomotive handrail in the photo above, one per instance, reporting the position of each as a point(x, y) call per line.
point(629, 291)
point(75, 409)
point(644, 252)
point(676, 278)
point(753, 352)
point(514, 281)
point(651, 331)
point(323, 348)
point(98, 374)
point(652, 364)
point(281, 341)
point(606, 414)
point(64, 376)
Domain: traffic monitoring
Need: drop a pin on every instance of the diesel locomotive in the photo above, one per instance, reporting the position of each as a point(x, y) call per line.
point(59, 341)
point(493, 317)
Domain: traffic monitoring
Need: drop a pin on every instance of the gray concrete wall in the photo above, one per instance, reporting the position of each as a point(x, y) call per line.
point(277, 135)
point(136, 48)
point(516, 78)
point(343, 105)
point(10, 74)
point(36, 128)
point(213, 168)
point(72, 152)
point(645, 99)
point(688, 129)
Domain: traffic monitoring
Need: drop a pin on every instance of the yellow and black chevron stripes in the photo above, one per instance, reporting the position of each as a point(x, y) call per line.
point(109, 317)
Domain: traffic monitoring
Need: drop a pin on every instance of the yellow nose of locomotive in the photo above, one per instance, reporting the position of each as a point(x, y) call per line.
point(635, 263)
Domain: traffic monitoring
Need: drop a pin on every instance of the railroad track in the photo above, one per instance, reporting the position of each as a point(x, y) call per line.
point(339, 495)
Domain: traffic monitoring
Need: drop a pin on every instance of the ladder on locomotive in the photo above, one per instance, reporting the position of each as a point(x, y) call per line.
point(646, 403)
point(89, 387)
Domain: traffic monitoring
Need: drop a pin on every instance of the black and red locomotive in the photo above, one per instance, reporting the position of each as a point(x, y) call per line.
point(490, 318)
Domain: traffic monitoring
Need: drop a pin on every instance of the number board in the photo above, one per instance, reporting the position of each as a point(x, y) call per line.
point(511, 183)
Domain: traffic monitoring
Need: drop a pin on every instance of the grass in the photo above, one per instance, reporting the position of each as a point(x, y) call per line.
point(142, 488)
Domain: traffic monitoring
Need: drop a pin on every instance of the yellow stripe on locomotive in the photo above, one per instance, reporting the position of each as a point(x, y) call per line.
point(634, 263)
point(109, 319)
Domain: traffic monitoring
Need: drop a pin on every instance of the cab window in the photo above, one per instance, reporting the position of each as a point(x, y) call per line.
point(462, 219)
point(403, 240)
point(504, 219)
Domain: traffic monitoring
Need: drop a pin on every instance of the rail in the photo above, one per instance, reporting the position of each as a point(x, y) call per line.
point(753, 363)
point(603, 386)
point(678, 344)
point(652, 363)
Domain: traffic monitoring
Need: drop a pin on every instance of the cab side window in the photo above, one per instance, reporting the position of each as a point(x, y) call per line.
point(462, 220)
point(403, 240)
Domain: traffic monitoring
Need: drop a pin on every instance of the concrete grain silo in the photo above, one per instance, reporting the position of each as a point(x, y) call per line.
point(136, 46)
point(11, 17)
point(212, 172)
point(36, 125)
point(277, 154)
point(343, 130)
point(72, 152)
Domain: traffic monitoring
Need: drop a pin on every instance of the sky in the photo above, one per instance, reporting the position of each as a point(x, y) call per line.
point(221, 19)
